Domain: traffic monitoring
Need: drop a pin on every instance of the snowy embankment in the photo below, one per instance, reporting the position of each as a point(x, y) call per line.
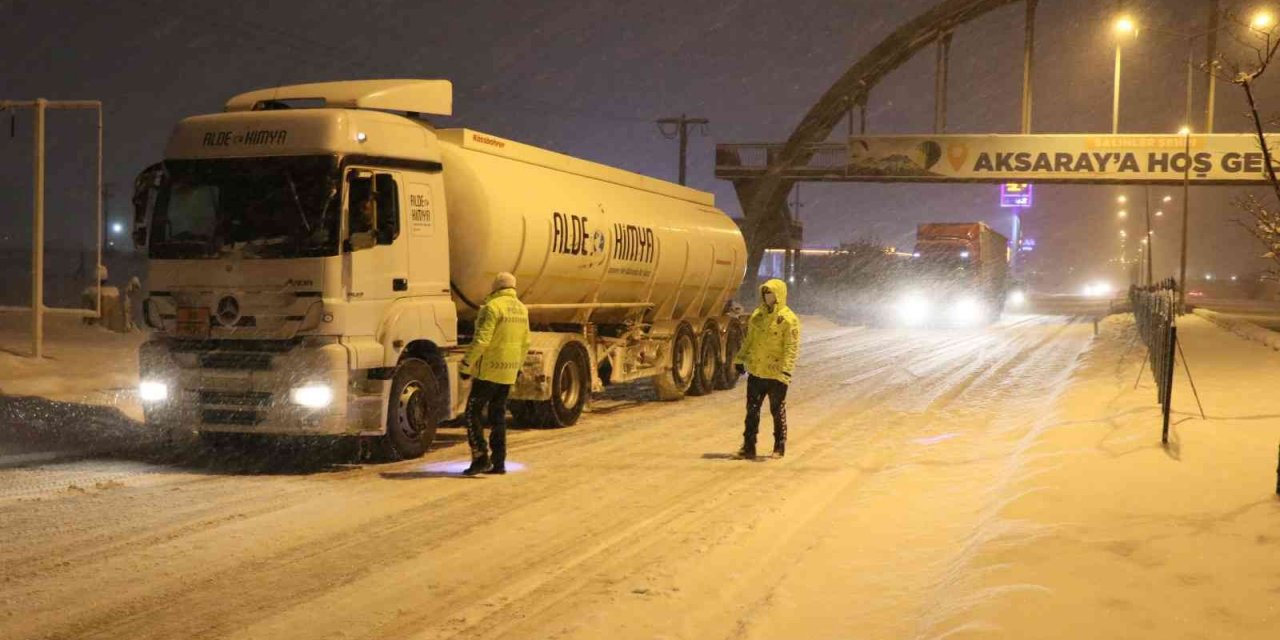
point(79, 398)
point(83, 364)
point(1242, 327)
point(1110, 534)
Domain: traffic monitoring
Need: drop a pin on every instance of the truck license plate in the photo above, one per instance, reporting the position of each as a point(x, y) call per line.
point(193, 322)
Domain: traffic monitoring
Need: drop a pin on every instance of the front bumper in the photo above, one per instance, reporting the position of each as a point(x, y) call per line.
point(245, 386)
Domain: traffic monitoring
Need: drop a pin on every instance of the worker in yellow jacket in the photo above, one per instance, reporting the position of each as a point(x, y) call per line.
point(768, 356)
point(494, 359)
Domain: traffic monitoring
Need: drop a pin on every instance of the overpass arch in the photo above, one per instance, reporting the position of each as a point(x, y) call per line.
point(767, 220)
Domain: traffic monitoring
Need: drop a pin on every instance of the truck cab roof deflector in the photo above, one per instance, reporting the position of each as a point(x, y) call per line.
point(433, 97)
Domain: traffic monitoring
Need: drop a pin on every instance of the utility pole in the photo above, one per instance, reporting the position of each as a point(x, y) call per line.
point(682, 130)
point(106, 210)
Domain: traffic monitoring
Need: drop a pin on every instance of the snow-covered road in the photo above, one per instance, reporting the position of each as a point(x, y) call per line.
point(633, 524)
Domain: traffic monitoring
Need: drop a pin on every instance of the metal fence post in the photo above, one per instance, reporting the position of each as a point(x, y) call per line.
point(1168, 378)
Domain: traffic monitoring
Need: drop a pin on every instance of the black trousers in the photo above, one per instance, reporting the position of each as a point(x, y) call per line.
point(776, 391)
point(493, 397)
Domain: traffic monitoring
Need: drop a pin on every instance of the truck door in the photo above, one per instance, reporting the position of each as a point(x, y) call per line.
point(376, 256)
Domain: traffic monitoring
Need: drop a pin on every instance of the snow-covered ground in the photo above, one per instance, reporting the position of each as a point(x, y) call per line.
point(1000, 483)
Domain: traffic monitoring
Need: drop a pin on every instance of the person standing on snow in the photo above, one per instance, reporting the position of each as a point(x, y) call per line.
point(768, 356)
point(496, 354)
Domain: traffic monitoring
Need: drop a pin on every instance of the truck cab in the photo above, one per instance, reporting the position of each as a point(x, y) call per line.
point(282, 286)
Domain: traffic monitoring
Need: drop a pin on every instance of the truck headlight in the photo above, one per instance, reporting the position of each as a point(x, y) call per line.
point(312, 396)
point(153, 391)
point(913, 309)
point(966, 311)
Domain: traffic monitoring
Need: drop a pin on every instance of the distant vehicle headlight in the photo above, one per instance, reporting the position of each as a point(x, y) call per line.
point(913, 309)
point(1097, 290)
point(966, 311)
point(1017, 298)
point(312, 396)
point(153, 391)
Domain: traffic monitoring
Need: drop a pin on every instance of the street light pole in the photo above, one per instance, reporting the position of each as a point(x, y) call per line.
point(1115, 93)
point(1186, 209)
point(1150, 241)
point(1210, 54)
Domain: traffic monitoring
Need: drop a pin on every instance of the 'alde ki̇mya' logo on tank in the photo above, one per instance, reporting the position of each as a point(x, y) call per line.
point(571, 235)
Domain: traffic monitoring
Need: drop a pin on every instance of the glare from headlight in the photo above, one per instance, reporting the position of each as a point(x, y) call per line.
point(966, 311)
point(913, 310)
point(1097, 290)
point(312, 396)
point(1017, 298)
point(153, 391)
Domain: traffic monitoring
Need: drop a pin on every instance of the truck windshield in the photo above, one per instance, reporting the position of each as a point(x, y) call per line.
point(279, 207)
point(939, 259)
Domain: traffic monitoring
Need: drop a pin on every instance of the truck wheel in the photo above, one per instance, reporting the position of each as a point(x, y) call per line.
point(570, 385)
point(411, 421)
point(728, 374)
point(673, 384)
point(704, 375)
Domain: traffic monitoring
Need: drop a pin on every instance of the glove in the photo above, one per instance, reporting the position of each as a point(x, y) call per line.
point(740, 368)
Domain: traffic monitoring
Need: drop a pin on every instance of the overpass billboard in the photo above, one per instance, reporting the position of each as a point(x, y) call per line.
point(1104, 158)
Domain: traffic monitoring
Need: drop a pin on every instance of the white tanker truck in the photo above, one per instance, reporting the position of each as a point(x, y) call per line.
point(283, 303)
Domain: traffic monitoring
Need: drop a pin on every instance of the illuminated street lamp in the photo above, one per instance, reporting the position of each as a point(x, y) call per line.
point(1262, 20)
point(1122, 199)
point(1122, 214)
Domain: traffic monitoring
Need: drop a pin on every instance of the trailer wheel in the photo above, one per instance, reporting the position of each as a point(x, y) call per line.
point(728, 374)
point(411, 419)
point(708, 365)
point(673, 384)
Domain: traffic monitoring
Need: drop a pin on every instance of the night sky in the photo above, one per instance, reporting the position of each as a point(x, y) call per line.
point(588, 79)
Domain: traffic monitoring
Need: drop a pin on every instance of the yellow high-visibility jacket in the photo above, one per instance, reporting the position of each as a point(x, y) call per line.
point(501, 340)
point(773, 337)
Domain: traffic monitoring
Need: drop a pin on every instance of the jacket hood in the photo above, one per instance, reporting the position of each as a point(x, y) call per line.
point(501, 293)
point(779, 289)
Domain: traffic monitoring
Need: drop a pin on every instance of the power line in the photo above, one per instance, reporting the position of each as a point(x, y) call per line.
point(681, 125)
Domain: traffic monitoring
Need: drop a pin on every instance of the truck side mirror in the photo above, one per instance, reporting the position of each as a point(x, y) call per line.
point(145, 189)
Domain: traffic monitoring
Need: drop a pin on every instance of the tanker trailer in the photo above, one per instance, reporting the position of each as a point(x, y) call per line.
point(277, 309)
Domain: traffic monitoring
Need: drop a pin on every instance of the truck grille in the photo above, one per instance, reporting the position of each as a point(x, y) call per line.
point(256, 399)
point(236, 360)
point(230, 416)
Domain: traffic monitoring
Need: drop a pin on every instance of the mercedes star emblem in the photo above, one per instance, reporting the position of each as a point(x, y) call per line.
point(228, 311)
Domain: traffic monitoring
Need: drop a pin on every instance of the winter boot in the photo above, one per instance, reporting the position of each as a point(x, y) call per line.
point(747, 452)
point(479, 465)
point(779, 448)
point(497, 470)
